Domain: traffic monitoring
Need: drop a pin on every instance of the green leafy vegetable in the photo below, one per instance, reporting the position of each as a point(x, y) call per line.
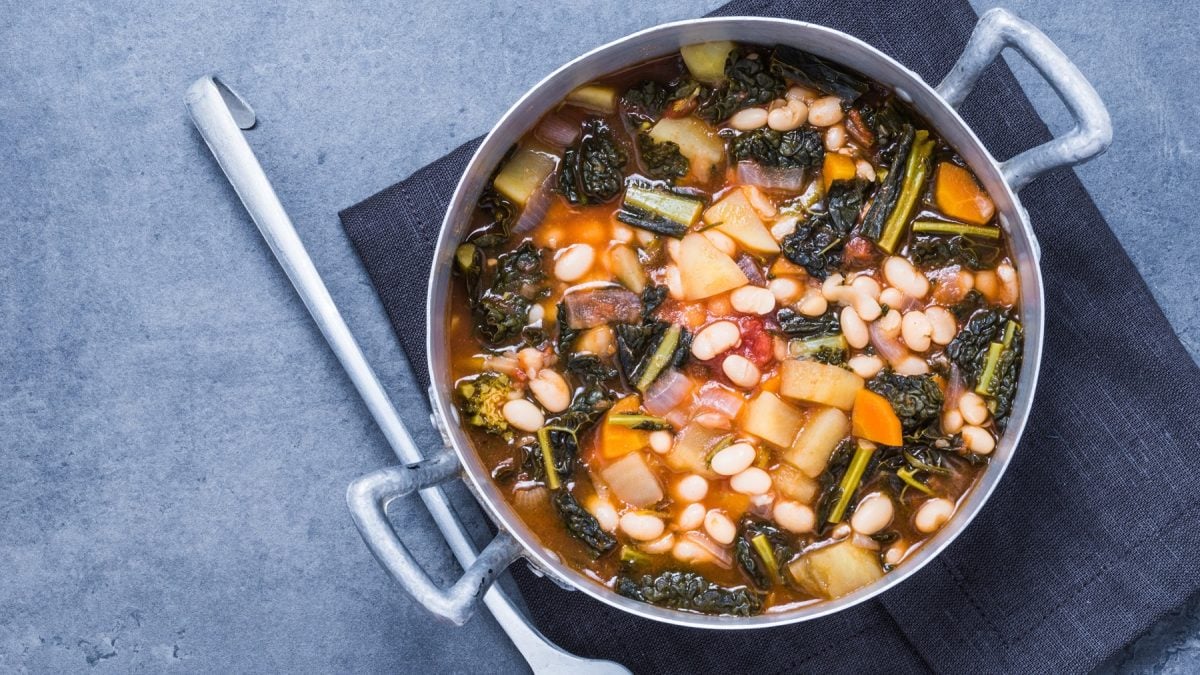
point(830, 349)
point(795, 324)
point(970, 252)
point(589, 369)
point(817, 73)
point(662, 357)
point(652, 298)
point(816, 245)
point(748, 82)
point(501, 214)
point(640, 422)
point(844, 202)
point(689, 591)
point(968, 350)
point(888, 192)
point(1002, 365)
point(481, 400)
point(648, 100)
point(502, 310)
point(581, 524)
point(971, 302)
point(851, 480)
point(796, 149)
point(917, 399)
point(830, 479)
point(659, 211)
point(662, 161)
point(915, 172)
point(591, 171)
point(759, 549)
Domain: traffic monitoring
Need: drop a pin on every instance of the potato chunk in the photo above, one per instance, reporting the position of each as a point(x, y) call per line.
point(740, 221)
point(772, 420)
point(704, 270)
point(833, 571)
point(817, 440)
point(815, 382)
point(632, 481)
point(690, 452)
point(697, 141)
point(794, 484)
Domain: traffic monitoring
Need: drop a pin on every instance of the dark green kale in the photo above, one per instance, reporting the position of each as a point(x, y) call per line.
point(760, 549)
point(974, 253)
point(1004, 383)
point(830, 480)
point(802, 67)
point(816, 245)
point(635, 345)
point(748, 82)
point(502, 309)
point(689, 591)
point(889, 189)
point(886, 126)
point(796, 149)
point(917, 399)
point(500, 318)
point(589, 368)
point(566, 334)
point(588, 406)
point(795, 324)
point(968, 350)
point(501, 215)
point(521, 272)
point(844, 202)
point(662, 161)
point(581, 524)
point(970, 303)
point(652, 298)
point(647, 101)
point(564, 447)
point(591, 171)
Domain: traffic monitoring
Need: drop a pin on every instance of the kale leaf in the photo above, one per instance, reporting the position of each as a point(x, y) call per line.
point(830, 480)
point(502, 309)
point(844, 202)
point(762, 572)
point(917, 399)
point(581, 524)
point(971, 252)
point(689, 591)
point(652, 298)
point(648, 100)
point(591, 171)
point(589, 368)
point(500, 318)
point(1004, 382)
point(971, 302)
point(816, 245)
point(662, 161)
point(889, 189)
point(795, 324)
point(748, 82)
point(501, 215)
point(564, 446)
point(969, 348)
point(807, 69)
point(796, 149)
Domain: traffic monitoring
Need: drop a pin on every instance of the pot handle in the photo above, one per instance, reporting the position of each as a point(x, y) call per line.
point(368, 497)
point(999, 28)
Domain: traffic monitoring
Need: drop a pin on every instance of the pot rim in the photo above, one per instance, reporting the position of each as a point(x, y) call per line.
point(650, 43)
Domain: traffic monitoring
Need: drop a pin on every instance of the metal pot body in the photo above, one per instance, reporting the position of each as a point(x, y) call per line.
point(996, 30)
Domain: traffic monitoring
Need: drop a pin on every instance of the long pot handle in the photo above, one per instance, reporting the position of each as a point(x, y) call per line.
point(998, 29)
point(368, 497)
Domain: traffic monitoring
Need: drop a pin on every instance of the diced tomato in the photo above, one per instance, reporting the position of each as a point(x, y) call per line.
point(757, 344)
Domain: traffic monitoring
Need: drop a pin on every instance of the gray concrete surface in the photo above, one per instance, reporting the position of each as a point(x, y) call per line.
point(176, 436)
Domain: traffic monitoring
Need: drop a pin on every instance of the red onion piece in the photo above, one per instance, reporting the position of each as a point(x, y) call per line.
point(669, 390)
point(888, 347)
point(556, 131)
point(749, 267)
point(719, 399)
point(535, 208)
point(720, 555)
point(769, 177)
point(955, 388)
point(678, 418)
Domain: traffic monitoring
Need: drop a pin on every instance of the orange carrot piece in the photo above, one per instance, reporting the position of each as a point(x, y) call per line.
point(617, 441)
point(960, 197)
point(874, 420)
point(836, 167)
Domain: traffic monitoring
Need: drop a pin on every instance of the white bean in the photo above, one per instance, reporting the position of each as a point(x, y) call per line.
point(854, 329)
point(748, 119)
point(865, 284)
point(673, 248)
point(719, 527)
point(978, 440)
point(864, 170)
point(794, 516)
point(531, 360)
point(733, 459)
point(890, 323)
point(952, 422)
point(753, 300)
point(536, 313)
point(741, 371)
point(825, 111)
point(865, 366)
point(933, 514)
point(688, 552)
point(942, 324)
point(622, 233)
point(760, 201)
point(895, 554)
point(674, 282)
point(722, 242)
point(892, 297)
point(911, 365)
point(715, 338)
point(660, 545)
point(752, 481)
point(873, 514)
point(785, 290)
point(523, 415)
point(916, 331)
point(801, 94)
point(901, 274)
point(692, 488)
point(835, 137)
point(551, 390)
point(973, 408)
point(574, 261)
point(604, 513)
point(788, 117)
point(691, 517)
point(1010, 288)
point(841, 531)
point(661, 441)
point(813, 303)
point(642, 526)
point(867, 307)
point(832, 288)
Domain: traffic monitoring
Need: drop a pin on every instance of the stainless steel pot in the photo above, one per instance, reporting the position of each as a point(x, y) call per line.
point(996, 30)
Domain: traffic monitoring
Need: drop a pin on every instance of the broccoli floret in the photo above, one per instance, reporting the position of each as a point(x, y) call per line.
point(481, 400)
point(662, 161)
point(591, 171)
point(689, 591)
point(797, 149)
point(917, 399)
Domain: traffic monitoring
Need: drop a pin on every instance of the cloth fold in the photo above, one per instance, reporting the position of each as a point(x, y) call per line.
point(1086, 540)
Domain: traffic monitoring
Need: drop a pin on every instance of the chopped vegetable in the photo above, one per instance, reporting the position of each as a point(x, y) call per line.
point(705, 271)
point(524, 173)
point(592, 170)
point(796, 149)
point(836, 168)
point(968, 350)
point(836, 570)
point(581, 524)
point(734, 216)
point(481, 400)
point(593, 307)
point(616, 440)
point(758, 550)
point(632, 481)
point(816, 245)
point(689, 591)
point(748, 82)
point(662, 161)
point(888, 192)
point(697, 141)
point(914, 184)
point(814, 382)
point(631, 556)
point(693, 444)
point(598, 97)
point(706, 60)
point(1002, 365)
point(664, 355)
point(817, 73)
point(640, 422)
point(967, 251)
point(815, 443)
point(829, 349)
point(793, 483)
point(959, 196)
point(851, 480)
point(874, 420)
point(915, 399)
point(547, 449)
point(772, 420)
point(659, 211)
point(628, 268)
point(795, 324)
point(938, 227)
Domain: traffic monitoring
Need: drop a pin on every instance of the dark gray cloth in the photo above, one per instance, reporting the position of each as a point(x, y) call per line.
point(1088, 538)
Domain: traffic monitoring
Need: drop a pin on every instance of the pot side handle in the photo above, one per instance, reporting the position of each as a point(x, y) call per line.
point(998, 29)
point(368, 497)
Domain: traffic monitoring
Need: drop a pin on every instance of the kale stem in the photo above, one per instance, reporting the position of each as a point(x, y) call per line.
point(543, 436)
point(914, 182)
point(989, 368)
point(762, 546)
point(641, 422)
point(660, 358)
point(939, 227)
point(850, 481)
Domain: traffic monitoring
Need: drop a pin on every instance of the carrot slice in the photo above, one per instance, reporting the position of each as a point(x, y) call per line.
point(874, 420)
point(960, 197)
point(836, 167)
point(617, 441)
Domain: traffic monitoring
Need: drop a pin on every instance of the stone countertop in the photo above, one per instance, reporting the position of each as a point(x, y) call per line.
point(178, 438)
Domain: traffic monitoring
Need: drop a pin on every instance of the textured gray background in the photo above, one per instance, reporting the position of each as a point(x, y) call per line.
point(176, 436)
